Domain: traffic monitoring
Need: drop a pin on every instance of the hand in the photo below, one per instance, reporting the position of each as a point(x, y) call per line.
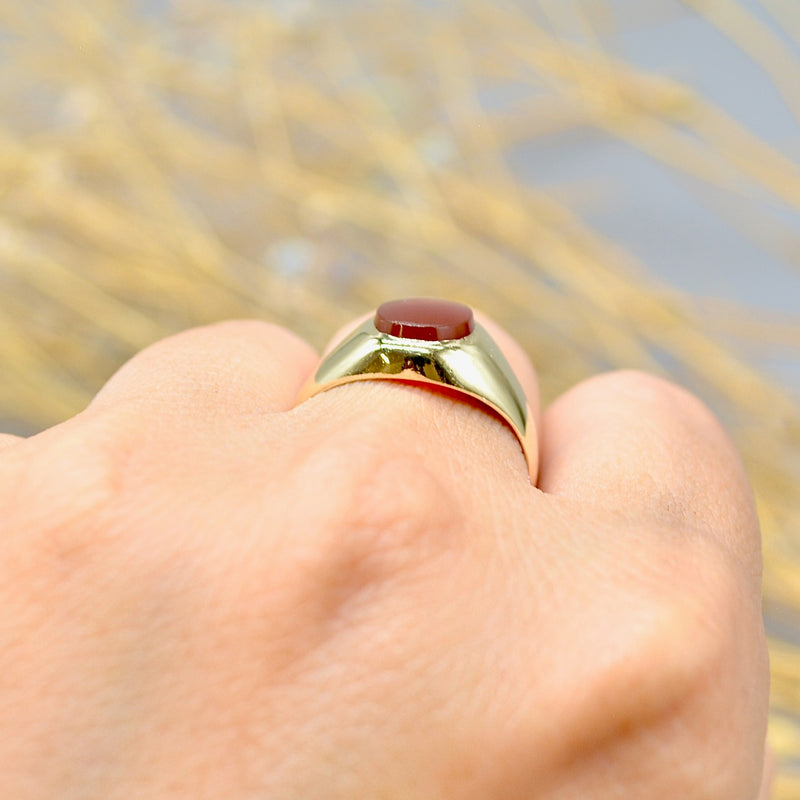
point(205, 593)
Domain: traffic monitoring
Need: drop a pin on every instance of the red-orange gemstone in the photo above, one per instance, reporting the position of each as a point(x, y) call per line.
point(425, 318)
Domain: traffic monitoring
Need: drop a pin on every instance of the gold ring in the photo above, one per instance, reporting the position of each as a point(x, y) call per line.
point(432, 342)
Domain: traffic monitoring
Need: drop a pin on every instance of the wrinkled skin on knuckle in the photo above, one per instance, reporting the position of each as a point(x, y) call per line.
point(378, 526)
point(59, 601)
point(381, 504)
point(723, 672)
point(635, 678)
point(55, 489)
point(108, 502)
point(671, 712)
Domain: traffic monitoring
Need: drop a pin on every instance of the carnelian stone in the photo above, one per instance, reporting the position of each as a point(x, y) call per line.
point(425, 318)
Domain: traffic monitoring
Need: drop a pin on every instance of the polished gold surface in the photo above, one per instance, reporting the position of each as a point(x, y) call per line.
point(473, 365)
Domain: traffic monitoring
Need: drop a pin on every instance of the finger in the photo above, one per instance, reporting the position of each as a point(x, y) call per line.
point(640, 446)
point(450, 430)
point(230, 368)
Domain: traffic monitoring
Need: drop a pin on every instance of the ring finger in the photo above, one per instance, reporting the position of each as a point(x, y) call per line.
point(454, 435)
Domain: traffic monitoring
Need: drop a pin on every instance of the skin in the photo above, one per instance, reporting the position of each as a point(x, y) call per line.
point(207, 593)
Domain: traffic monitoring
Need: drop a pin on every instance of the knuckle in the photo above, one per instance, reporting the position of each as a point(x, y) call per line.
point(381, 511)
point(721, 674)
point(370, 541)
point(686, 642)
point(393, 511)
point(683, 674)
point(63, 489)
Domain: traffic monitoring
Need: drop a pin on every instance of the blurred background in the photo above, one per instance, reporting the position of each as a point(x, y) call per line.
point(616, 181)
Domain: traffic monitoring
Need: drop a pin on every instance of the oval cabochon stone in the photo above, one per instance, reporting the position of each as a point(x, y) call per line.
point(425, 319)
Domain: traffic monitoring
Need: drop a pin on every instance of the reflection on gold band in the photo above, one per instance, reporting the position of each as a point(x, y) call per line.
point(474, 366)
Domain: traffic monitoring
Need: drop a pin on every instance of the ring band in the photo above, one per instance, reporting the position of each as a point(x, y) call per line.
point(432, 342)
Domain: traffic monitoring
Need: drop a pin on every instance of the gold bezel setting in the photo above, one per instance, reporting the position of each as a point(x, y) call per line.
point(473, 365)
